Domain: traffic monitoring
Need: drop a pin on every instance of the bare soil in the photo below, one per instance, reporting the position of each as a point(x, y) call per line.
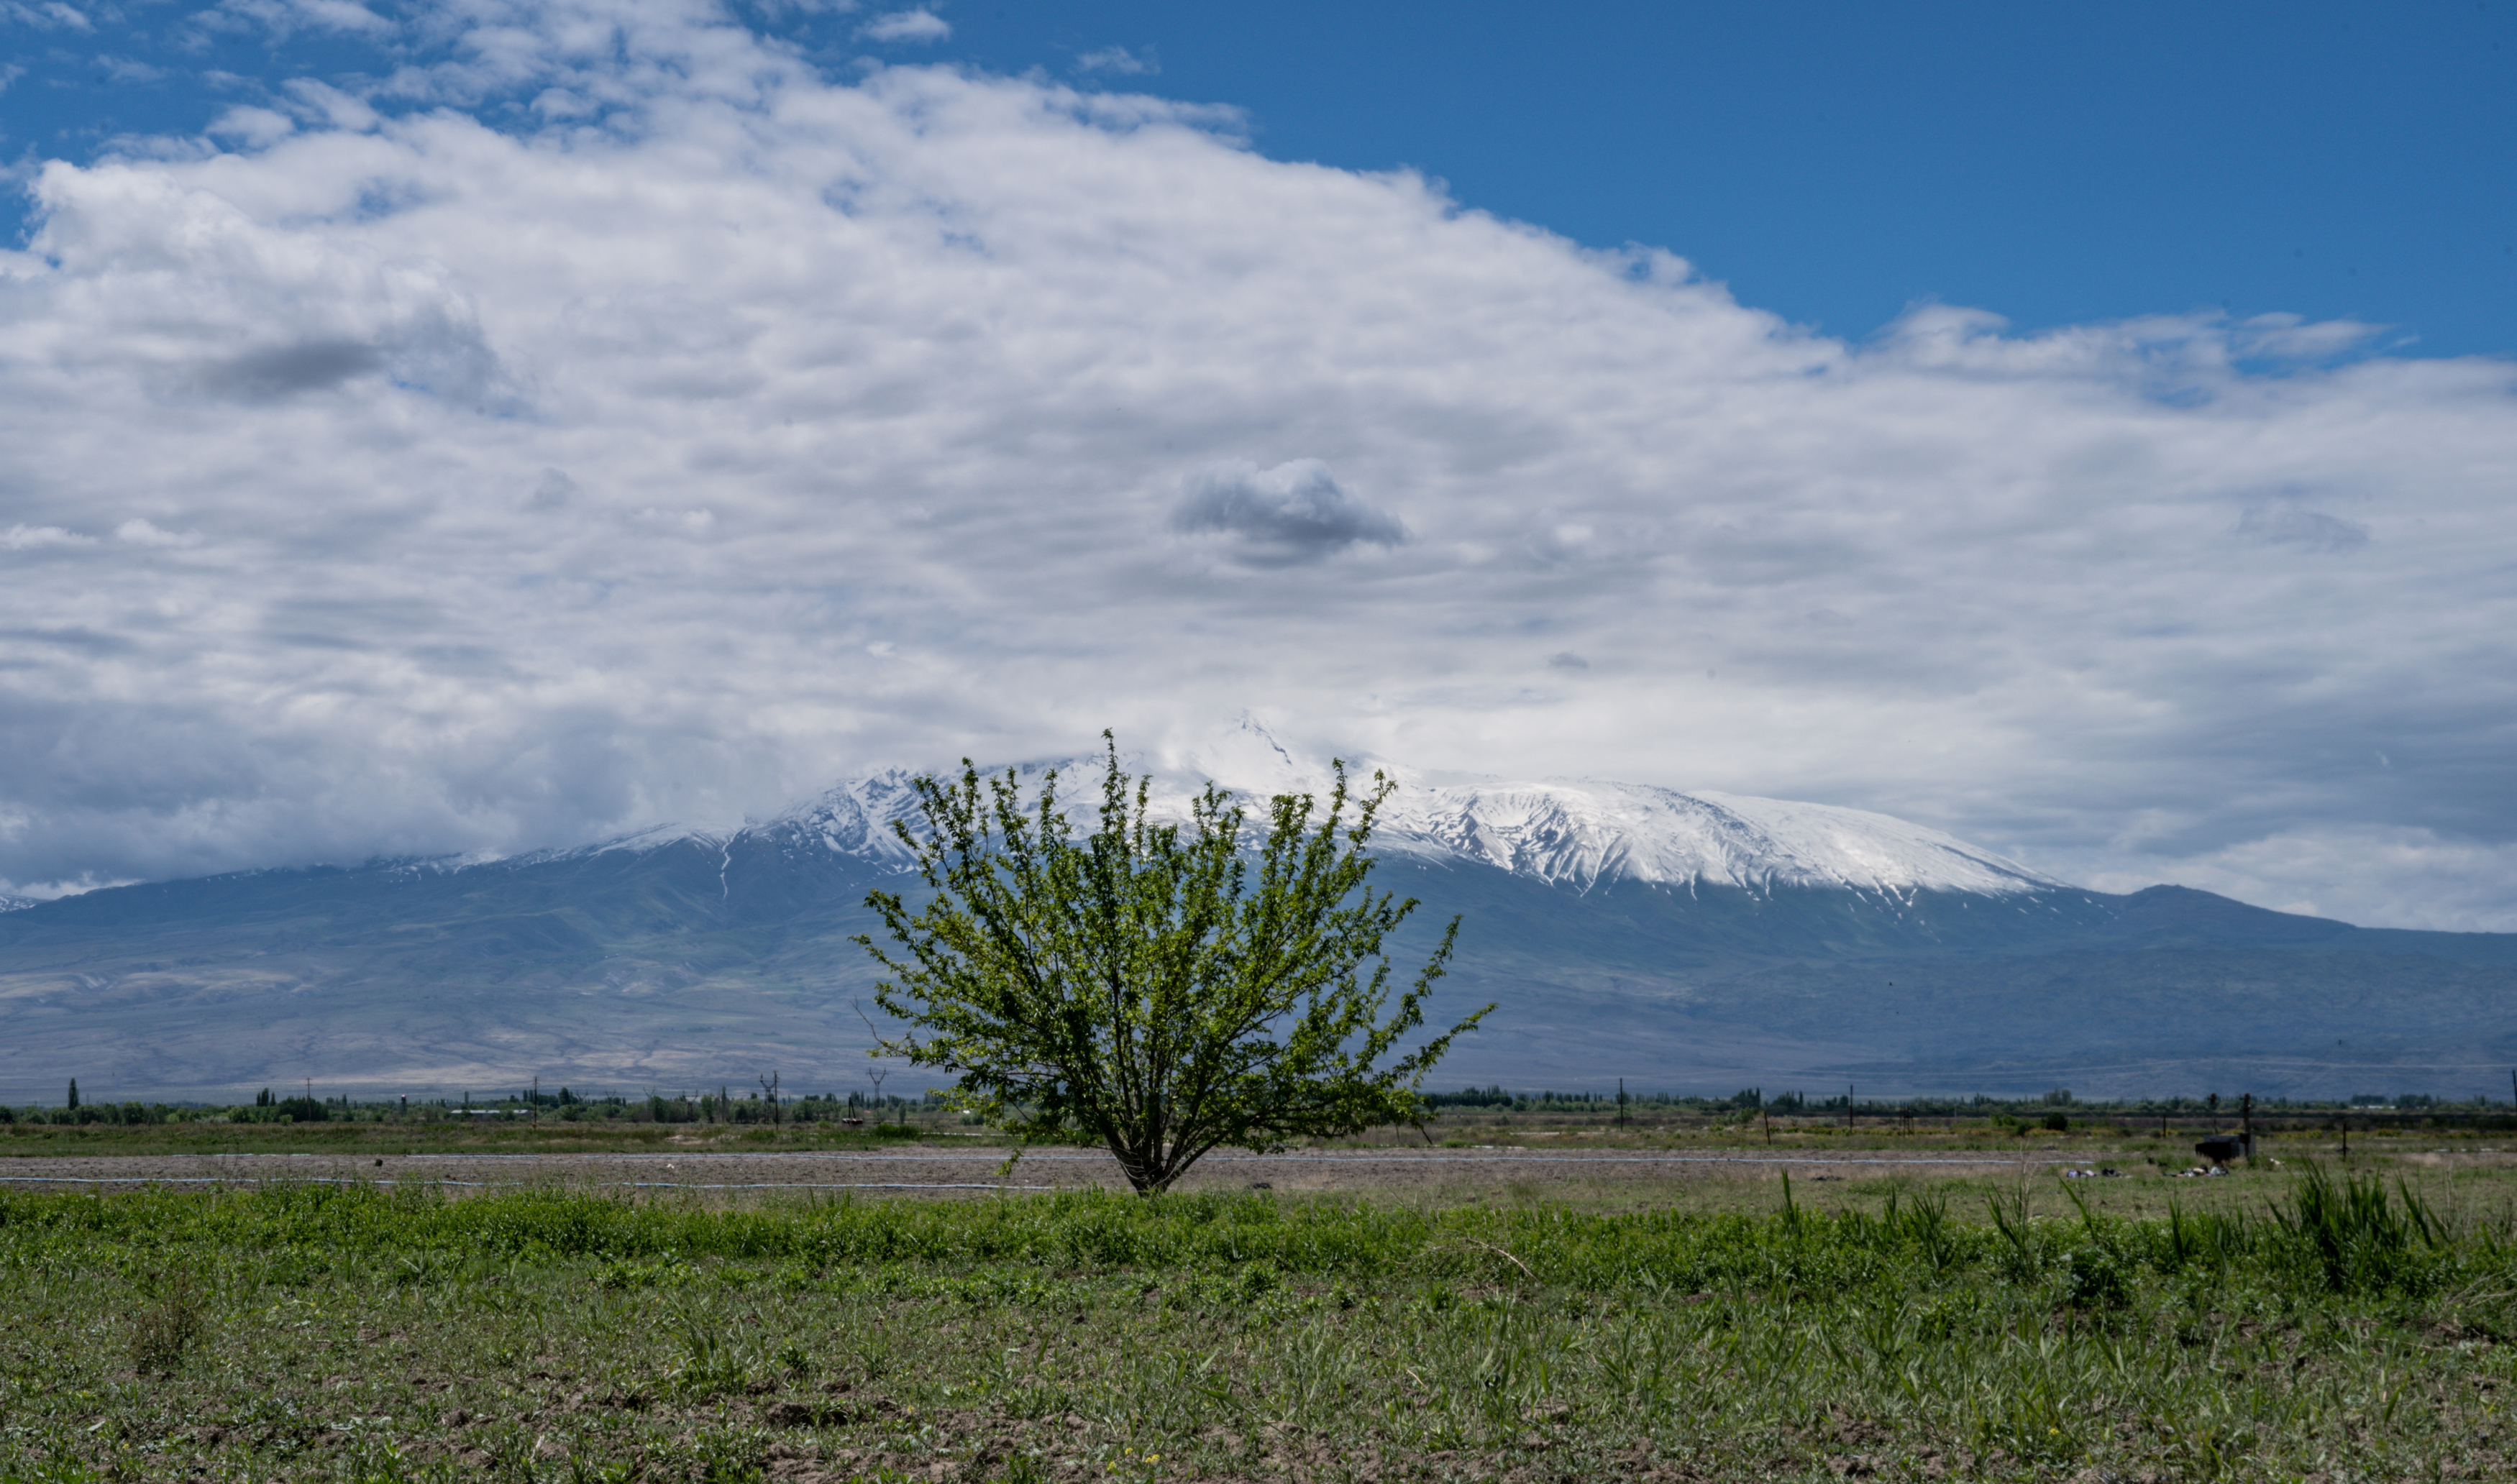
point(1613, 1176)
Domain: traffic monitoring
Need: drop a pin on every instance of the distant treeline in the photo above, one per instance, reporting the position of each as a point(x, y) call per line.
point(724, 1106)
point(564, 1106)
point(1755, 1099)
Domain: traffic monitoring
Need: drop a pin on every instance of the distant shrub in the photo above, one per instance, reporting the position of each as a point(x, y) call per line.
point(2059, 1122)
point(303, 1110)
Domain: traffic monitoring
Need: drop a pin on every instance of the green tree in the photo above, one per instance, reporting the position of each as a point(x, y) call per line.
point(73, 1099)
point(1159, 987)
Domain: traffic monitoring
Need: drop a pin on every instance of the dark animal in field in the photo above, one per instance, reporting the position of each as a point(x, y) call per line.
point(2221, 1148)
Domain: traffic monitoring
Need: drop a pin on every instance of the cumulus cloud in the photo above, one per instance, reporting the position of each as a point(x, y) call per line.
point(1293, 512)
point(907, 26)
point(535, 474)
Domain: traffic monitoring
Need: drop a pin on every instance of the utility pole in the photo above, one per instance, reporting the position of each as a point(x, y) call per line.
point(1621, 1102)
point(2246, 1123)
point(1848, 1105)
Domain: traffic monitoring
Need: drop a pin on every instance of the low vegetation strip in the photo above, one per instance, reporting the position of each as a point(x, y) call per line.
point(1989, 1330)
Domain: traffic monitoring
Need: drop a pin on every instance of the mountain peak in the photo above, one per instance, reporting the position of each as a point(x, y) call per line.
point(1574, 832)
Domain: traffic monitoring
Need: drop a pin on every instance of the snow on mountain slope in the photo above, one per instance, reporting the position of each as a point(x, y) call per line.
point(1584, 834)
point(852, 818)
point(1578, 833)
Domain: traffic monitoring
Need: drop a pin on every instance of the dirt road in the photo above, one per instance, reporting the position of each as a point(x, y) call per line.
point(920, 1169)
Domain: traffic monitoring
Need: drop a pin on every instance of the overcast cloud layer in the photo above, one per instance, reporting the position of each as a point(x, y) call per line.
point(403, 470)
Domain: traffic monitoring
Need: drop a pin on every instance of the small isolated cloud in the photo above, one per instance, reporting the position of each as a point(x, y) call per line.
point(1118, 60)
point(906, 25)
point(2311, 530)
point(29, 537)
point(129, 69)
point(1566, 659)
point(1294, 512)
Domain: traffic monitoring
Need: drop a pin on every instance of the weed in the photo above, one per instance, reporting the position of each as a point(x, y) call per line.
point(168, 1324)
point(2354, 1238)
point(712, 1364)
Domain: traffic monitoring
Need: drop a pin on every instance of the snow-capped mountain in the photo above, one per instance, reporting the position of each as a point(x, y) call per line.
point(1570, 833)
point(1694, 940)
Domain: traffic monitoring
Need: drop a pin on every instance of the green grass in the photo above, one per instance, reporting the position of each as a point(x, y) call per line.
point(2338, 1327)
point(553, 1137)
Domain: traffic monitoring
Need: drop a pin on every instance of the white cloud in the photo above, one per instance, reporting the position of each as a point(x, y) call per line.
point(907, 26)
point(128, 69)
point(254, 128)
point(329, 104)
point(738, 427)
point(1120, 61)
point(45, 15)
point(24, 537)
point(282, 17)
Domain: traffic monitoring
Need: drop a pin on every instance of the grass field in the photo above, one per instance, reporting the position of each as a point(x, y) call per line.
point(2300, 1327)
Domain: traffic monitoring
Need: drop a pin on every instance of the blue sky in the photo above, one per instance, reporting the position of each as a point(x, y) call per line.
point(1833, 163)
point(474, 425)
